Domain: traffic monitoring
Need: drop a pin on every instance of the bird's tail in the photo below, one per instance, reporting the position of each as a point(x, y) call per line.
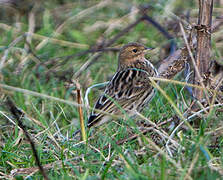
point(92, 120)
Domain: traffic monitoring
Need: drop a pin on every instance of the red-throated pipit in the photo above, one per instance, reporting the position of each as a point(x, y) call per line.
point(130, 86)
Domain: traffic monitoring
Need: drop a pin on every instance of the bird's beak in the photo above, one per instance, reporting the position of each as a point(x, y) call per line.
point(148, 49)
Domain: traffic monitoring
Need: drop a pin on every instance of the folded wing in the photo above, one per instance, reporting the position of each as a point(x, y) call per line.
point(128, 90)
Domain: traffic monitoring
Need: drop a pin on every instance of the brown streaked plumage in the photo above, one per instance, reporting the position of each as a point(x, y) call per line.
point(130, 86)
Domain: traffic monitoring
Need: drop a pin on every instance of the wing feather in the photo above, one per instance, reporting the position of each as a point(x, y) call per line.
point(125, 88)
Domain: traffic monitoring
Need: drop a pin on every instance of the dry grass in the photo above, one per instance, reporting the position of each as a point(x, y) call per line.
point(51, 46)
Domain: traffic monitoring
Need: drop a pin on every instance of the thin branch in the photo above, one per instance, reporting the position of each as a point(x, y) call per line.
point(194, 62)
point(203, 53)
point(188, 119)
point(173, 104)
point(18, 114)
point(163, 31)
point(134, 136)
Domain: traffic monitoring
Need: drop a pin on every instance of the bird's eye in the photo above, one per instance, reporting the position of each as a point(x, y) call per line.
point(134, 50)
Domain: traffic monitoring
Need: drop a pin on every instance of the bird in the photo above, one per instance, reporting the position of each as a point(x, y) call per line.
point(129, 89)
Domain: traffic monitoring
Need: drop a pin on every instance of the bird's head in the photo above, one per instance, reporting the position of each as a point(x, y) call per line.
point(132, 53)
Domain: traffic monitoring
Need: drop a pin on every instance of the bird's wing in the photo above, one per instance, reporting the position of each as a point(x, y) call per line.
point(125, 88)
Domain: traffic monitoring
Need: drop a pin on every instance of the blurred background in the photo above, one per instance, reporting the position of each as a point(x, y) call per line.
point(46, 46)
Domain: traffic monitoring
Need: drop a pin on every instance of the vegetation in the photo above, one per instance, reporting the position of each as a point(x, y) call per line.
point(46, 47)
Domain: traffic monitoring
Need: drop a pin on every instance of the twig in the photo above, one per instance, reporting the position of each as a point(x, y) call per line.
point(193, 61)
point(163, 31)
point(160, 132)
point(190, 117)
point(134, 136)
point(172, 103)
point(190, 52)
point(19, 115)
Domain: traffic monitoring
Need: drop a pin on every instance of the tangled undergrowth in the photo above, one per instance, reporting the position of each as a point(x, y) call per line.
point(46, 47)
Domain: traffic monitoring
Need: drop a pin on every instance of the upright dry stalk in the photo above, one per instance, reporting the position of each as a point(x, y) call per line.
point(203, 53)
point(80, 111)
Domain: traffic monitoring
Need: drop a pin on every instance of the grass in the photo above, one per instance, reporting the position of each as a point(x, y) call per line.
point(51, 123)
